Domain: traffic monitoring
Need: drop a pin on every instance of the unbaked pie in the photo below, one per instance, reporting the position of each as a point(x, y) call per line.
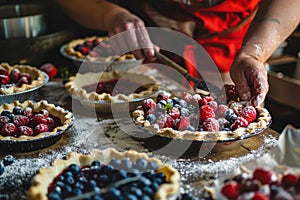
point(111, 86)
point(94, 48)
point(192, 117)
point(28, 120)
point(18, 78)
point(105, 174)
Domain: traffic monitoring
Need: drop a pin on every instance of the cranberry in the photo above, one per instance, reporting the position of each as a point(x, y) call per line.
point(9, 129)
point(20, 120)
point(4, 79)
point(263, 175)
point(3, 120)
point(174, 112)
point(85, 51)
point(259, 196)
point(41, 128)
point(25, 130)
point(44, 112)
point(28, 112)
point(15, 75)
point(230, 190)
point(4, 71)
point(50, 122)
point(26, 75)
point(89, 44)
point(39, 119)
point(23, 80)
point(289, 180)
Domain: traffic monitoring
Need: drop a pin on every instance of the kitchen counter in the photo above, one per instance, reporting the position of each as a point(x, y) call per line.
point(90, 132)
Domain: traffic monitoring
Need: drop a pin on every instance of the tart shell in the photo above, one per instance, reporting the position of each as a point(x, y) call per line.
point(45, 176)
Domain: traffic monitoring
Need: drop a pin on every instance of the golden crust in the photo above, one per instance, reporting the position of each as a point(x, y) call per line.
point(69, 49)
point(75, 84)
point(45, 176)
point(262, 122)
point(36, 75)
point(65, 116)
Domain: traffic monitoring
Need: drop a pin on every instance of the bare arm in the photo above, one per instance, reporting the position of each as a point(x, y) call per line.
point(274, 22)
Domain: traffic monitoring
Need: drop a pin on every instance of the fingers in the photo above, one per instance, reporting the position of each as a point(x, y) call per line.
point(261, 88)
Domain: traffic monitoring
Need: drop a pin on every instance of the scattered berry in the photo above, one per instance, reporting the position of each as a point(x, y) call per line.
point(50, 69)
point(249, 113)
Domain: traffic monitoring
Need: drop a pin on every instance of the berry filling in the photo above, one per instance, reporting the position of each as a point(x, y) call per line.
point(95, 48)
point(14, 78)
point(120, 179)
point(262, 184)
point(194, 113)
point(26, 122)
point(115, 86)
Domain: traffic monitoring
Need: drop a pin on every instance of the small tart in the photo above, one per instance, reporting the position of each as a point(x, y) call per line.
point(77, 83)
point(70, 50)
point(65, 117)
point(262, 121)
point(46, 176)
point(36, 76)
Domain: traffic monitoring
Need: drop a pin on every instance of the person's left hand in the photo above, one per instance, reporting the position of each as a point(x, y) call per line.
point(250, 78)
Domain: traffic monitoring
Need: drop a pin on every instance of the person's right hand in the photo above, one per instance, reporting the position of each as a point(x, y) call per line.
point(250, 78)
point(136, 38)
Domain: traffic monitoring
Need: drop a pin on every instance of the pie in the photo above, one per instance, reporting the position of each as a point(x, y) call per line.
point(18, 78)
point(262, 183)
point(193, 117)
point(105, 174)
point(28, 120)
point(111, 86)
point(94, 49)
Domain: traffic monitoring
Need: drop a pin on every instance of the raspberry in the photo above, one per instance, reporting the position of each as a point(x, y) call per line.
point(205, 100)
point(85, 50)
point(23, 80)
point(3, 120)
point(213, 104)
point(50, 122)
point(187, 96)
point(211, 124)
point(40, 128)
point(230, 190)
point(263, 175)
point(239, 122)
point(249, 113)
point(15, 75)
point(4, 79)
point(3, 71)
point(289, 180)
point(183, 123)
point(39, 119)
point(165, 121)
point(231, 92)
point(259, 196)
point(9, 129)
point(163, 95)
point(148, 103)
point(174, 113)
point(221, 110)
point(206, 112)
point(28, 112)
point(20, 120)
point(25, 130)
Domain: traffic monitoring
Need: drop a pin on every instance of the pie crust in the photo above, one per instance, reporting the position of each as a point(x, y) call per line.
point(75, 84)
point(69, 49)
point(41, 181)
point(262, 122)
point(36, 76)
point(65, 117)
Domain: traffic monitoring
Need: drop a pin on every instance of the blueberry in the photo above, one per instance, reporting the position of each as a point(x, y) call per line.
point(18, 110)
point(97, 197)
point(141, 164)
point(161, 176)
point(154, 185)
point(113, 193)
point(131, 197)
point(54, 196)
point(96, 163)
point(148, 190)
point(57, 189)
point(126, 164)
point(183, 103)
point(106, 169)
point(68, 173)
point(9, 186)
point(177, 106)
point(184, 112)
point(78, 47)
point(175, 101)
point(144, 182)
point(186, 196)
point(151, 118)
point(82, 180)
point(79, 185)
point(162, 102)
point(115, 162)
point(5, 113)
point(145, 197)
point(74, 169)
point(160, 109)
point(70, 180)
point(103, 179)
point(61, 178)
point(136, 191)
point(190, 128)
point(1, 168)
point(76, 191)
point(169, 101)
point(152, 165)
point(67, 189)
point(60, 184)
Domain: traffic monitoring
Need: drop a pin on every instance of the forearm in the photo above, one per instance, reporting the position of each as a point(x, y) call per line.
point(93, 14)
point(274, 22)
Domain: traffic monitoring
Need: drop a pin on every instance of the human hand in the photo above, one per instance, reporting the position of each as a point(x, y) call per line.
point(136, 38)
point(250, 78)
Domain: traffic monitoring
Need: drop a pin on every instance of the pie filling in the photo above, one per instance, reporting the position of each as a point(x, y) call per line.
point(115, 86)
point(121, 178)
